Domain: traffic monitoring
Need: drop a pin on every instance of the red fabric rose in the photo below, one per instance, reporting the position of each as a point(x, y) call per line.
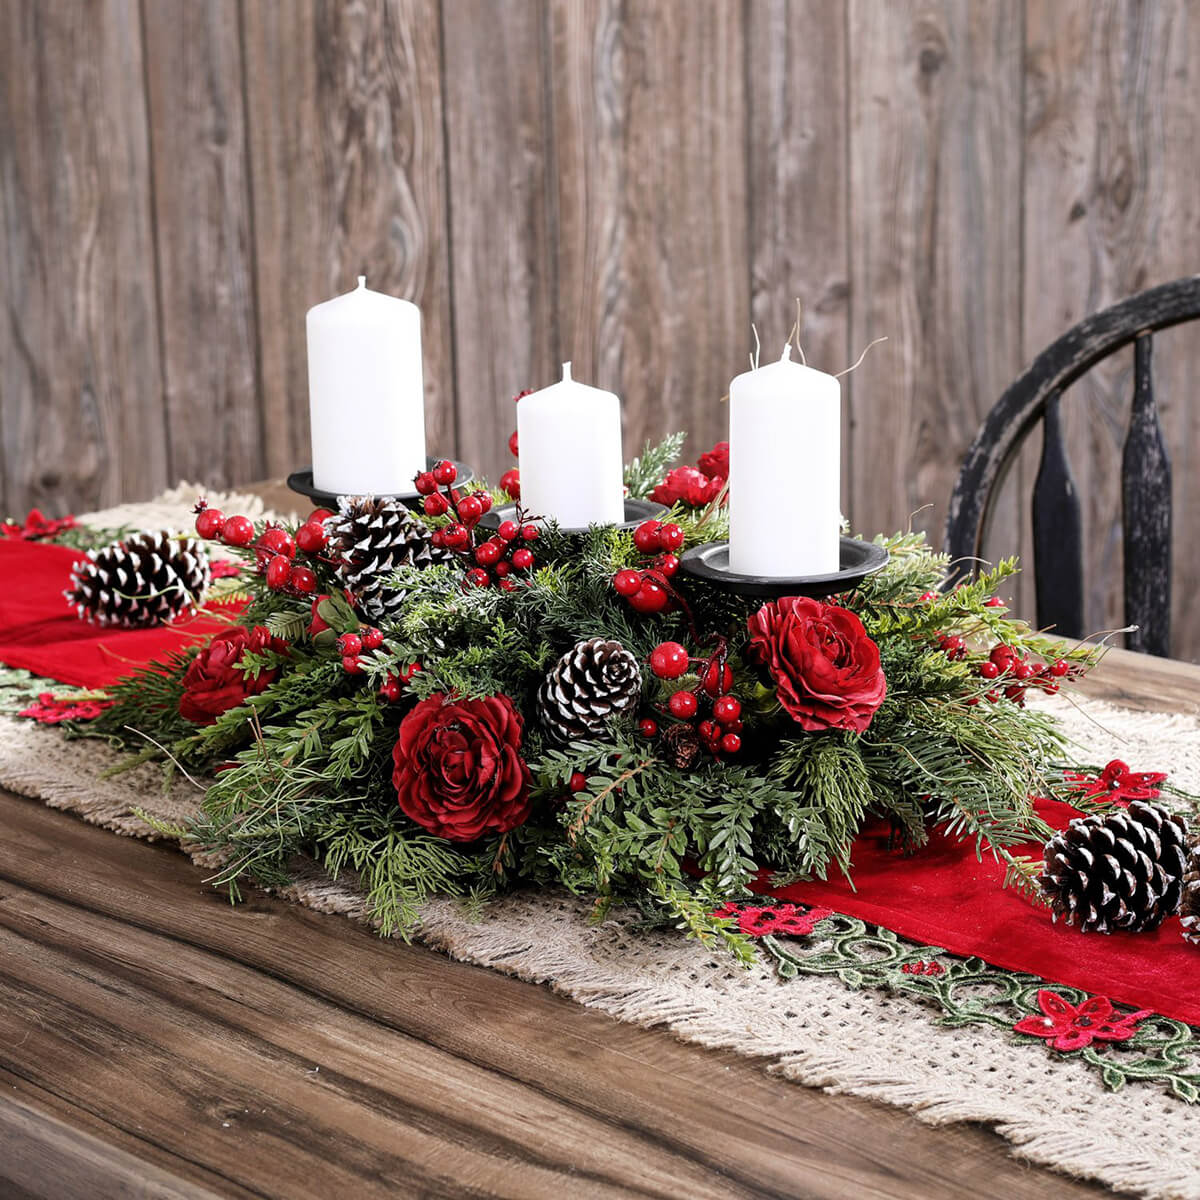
point(214, 683)
point(458, 769)
point(825, 667)
point(688, 485)
point(715, 463)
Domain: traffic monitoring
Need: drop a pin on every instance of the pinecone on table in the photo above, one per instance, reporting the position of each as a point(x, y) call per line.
point(147, 579)
point(1189, 906)
point(1117, 870)
point(593, 682)
point(373, 537)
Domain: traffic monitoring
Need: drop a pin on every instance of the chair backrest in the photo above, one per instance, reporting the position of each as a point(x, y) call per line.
point(1145, 471)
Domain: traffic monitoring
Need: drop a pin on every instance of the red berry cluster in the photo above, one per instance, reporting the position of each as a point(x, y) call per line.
point(1015, 675)
point(351, 645)
point(275, 549)
point(493, 559)
point(648, 589)
point(510, 481)
point(720, 732)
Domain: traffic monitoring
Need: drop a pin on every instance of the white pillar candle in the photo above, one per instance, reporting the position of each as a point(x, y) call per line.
point(569, 438)
point(785, 428)
point(366, 395)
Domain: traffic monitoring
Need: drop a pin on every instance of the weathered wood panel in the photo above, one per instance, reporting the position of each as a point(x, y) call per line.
point(653, 245)
point(203, 240)
point(348, 177)
point(935, 149)
point(798, 186)
point(80, 385)
point(500, 164)
point(1111, 93)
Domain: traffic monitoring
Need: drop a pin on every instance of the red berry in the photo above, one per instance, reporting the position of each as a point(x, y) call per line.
point(1015, 692)
point(485, 501)
point(727, 710)
point(578, 781)
point(647, 727)
point(995, 602)
point(1051, 689)
point(409, 671)
point(514, 445)
point(669, 660)
point(279, 572)
point(487, 554)
point(522, 559)
point(425, 483)
point(509, 530)
point(350, 644)
point(988, 669)
point(668, 564)
point(529, 532)
point(649, 598)
point(992, 697)
point(390, 689)
point(372, 638)
point(478, 577)
point(455, 536)
point(627, 582)
point(469, 510)
point(710, 732)
point(926, 597)
point(311, 536)
point(303, 579)
point(238, 531)
point(731, 743)
point(436, 505)
point(1059, 668)
point(510, 482)
point(683, 705)
point(1002, 655)
point(445, 472)
point(1022, 670)
point(670, 537)
point(508, 583)
point(351, 665)
point(645, 537)
point(436, 539)
point(209, 523)
point(278, 541)
point(502, 568)
point(718, 678)
point(319, 514)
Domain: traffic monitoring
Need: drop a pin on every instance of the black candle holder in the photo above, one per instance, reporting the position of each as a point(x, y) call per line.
point(636, 511)
point(858, 559)
point(302, 482)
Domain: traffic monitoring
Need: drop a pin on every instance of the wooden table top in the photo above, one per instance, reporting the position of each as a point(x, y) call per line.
point(155, 1041)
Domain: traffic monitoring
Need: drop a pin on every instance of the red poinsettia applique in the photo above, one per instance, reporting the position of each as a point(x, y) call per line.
point(786, 919)
point(37, 526)
point(224, 568)
point(49, 710)
point(1067, 1026)
point(1117, 782)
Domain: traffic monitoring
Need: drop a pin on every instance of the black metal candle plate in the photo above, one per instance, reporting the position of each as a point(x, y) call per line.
point(636, 511)
point(302, 482)
point(710, 562)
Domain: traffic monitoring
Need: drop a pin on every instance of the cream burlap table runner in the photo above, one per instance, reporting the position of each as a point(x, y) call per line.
point(813, 1029)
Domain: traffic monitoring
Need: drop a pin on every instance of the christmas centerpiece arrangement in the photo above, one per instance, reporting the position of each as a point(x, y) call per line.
point(654, 684)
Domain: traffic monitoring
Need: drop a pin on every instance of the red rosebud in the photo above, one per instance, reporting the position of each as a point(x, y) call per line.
point(214, 683)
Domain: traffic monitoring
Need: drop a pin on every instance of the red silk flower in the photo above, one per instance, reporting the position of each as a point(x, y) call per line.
point(214, 683)
point(1067, 1026)
point(458, 769)
point(825, 667)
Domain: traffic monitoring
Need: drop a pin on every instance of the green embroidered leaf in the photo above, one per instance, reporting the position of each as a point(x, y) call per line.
point(1187, 1091)
point(1114, 1079)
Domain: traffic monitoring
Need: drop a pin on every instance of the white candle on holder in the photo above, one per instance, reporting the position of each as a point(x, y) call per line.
point(366, 394)
point(572, 471)
point(785, 429)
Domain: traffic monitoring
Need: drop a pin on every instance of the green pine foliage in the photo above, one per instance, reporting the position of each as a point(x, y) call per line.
point(306, 765)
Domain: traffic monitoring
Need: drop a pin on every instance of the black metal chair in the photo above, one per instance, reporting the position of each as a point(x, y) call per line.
point(1145, 471)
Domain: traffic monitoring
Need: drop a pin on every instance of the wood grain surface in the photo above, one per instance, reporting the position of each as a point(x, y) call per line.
point(629, 184)
point(156, 1042)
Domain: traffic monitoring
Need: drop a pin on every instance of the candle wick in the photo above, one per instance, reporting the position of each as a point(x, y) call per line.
point(567, 372)
point(787, 353)
point(362, 281)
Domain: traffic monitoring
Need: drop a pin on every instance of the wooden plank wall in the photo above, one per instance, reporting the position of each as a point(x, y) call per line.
point(626, 183)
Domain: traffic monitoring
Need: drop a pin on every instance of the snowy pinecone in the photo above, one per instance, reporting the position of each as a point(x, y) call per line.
point(146, 579)
point(1117, 870)
point(373, 537)
point(593, 682)
point(1189, 906)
